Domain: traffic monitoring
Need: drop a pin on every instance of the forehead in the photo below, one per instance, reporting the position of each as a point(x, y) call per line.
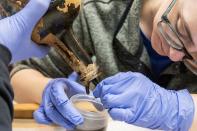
point(188, 9)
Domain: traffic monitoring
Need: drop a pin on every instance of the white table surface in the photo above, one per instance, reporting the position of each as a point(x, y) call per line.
point(31, 125)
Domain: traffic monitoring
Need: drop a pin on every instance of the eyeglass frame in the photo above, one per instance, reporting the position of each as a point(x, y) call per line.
point(174, 45)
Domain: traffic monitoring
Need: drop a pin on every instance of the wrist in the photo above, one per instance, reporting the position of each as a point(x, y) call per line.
point(186, 110)
point(176, 109)
point(180, 114)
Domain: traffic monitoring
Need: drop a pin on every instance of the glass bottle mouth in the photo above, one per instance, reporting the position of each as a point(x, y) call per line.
point(89, 107)
point(93, 111)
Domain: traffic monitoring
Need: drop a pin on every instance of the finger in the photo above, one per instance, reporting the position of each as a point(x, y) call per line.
point(76, 87)
point(57, 118)
point(114, 101)
point(30, 15)
point(37, 50)
point(40, 116)
point(53, 114)
point(120, 114)
point(117, 78)
point(64, 106)
point(112, 81)
point(74, 76)
point(115, 88)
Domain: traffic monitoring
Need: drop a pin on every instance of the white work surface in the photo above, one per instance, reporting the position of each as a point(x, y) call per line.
point(31, 125)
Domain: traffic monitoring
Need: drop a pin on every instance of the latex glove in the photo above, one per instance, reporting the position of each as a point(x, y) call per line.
point(133, 98)
point(56, 107)
point(16, 30)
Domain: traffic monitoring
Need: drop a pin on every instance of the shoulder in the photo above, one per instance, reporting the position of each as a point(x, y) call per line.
point(8, 8)
point(104, 5)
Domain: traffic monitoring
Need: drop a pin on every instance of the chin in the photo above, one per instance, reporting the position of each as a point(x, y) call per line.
point(173, 58)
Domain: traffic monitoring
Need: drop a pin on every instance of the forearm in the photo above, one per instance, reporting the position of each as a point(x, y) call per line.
point(28, 85)
point(194, 124)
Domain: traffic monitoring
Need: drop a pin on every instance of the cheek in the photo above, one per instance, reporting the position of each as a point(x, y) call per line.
point(156, 42)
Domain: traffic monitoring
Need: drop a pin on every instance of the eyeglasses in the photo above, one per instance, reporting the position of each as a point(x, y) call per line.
point(172, 38)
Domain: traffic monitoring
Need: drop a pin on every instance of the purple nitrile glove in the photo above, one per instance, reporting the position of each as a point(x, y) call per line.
point(133, 98)
point(56, 107)
point(16, 30)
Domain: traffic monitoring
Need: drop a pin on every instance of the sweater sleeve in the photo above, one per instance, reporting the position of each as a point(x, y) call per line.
point(6, 93)
point(53, 65)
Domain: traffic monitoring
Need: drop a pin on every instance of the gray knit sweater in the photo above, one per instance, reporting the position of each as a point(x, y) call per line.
point(95, 27)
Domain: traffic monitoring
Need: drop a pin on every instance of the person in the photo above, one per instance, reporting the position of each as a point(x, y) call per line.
point(15, 45)
point(153, 44)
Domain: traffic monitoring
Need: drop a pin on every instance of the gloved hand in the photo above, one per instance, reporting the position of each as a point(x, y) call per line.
point(16, 30)
point(133, 98)
point(56, 107)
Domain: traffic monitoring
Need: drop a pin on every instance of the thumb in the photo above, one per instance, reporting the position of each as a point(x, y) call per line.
point(40, 116)
point(36, 50)
point(64, 106)
point(32, 12)
point(73, 76)
point(120, 114)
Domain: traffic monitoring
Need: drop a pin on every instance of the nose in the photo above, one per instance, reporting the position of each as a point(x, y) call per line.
point(175, 55)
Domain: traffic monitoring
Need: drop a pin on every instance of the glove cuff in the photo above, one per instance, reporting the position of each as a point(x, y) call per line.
point(186, 110)
point(175, 108)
